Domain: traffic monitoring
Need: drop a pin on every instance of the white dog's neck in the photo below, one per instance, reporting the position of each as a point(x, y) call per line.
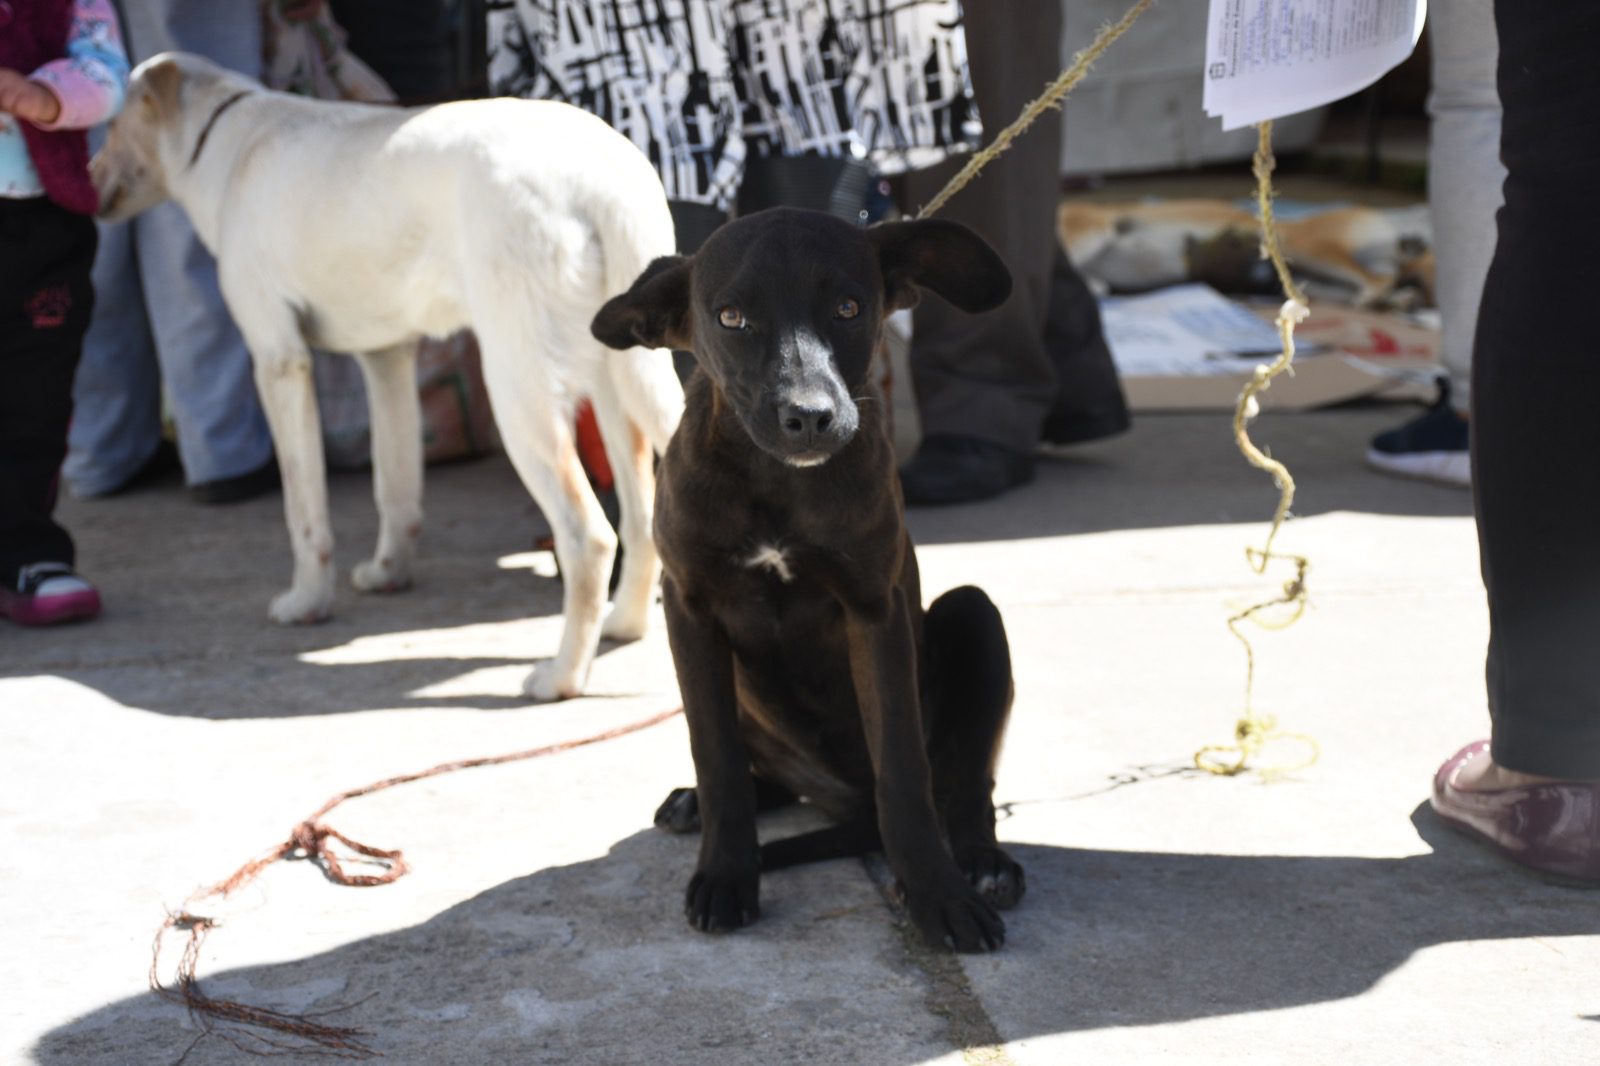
point(197, 162)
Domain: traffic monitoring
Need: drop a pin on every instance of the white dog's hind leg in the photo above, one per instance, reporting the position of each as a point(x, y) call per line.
point(632, 466)
point(391, 377)
point(585, 547)
point(538, 438)
point(283, 378)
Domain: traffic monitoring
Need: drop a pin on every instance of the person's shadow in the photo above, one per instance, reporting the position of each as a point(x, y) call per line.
point(592, 962)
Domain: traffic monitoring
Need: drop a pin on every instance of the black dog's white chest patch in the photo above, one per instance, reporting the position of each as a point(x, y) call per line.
point(770, 557)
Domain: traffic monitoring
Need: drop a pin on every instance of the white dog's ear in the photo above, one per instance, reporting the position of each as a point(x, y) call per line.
point(654, 312)
point(163, 82)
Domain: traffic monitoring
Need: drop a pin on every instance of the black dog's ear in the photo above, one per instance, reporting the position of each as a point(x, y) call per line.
point(946, 257)
point(654, 312)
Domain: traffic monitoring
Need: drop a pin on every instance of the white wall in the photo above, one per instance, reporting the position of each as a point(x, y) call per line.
point(1139, 108)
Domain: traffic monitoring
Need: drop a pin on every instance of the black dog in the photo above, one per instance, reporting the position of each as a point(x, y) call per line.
point(790, 585)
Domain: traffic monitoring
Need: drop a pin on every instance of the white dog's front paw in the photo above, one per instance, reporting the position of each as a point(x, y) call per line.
point(299, 607)
point(547, 684)
point(380, 575)
point(624, 624)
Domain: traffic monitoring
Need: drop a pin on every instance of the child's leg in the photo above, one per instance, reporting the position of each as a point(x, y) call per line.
point(116, 393)
point(45, 300)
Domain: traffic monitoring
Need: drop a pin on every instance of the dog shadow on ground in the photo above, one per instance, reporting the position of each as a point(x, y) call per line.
point(593, 962)
point(186, 588)
point(185, 630)
point(407, 651)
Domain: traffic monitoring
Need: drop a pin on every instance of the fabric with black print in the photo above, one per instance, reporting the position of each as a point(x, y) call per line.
point(700, 85)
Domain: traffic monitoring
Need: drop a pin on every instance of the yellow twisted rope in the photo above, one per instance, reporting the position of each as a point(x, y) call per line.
point(1253, 730)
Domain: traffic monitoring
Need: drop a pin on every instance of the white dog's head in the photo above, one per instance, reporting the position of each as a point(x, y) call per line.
point(172, 100)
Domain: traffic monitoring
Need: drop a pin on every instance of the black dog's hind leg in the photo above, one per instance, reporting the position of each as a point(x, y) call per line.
point(843, 840)
point(680, 811)
point(966, 698)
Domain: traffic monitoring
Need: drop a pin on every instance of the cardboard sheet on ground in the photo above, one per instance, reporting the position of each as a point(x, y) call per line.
point(1191, 348)
point(1269, 58)
point(1189, 330)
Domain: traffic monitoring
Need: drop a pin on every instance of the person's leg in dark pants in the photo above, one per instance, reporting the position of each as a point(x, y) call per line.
point(1535, 791)
point(986, 383)
point(1089, 402)
point(45, 303)
point(1537, 446)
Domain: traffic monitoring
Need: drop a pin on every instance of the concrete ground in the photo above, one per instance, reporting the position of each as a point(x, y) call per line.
point(1171, 916)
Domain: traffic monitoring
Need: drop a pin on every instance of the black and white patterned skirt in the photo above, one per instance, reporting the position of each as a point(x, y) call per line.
point(701, 85)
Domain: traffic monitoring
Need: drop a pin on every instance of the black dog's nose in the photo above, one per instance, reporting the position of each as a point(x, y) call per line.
point(806, 420)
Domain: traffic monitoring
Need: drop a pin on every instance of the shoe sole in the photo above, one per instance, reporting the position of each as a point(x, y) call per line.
point(238, 489)
point(1064, 430)
point(1445, 468)
point(27, 611)
point(1558, 879)
point(922, 498)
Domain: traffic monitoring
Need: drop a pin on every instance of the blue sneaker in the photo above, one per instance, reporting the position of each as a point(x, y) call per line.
point(1432, 446)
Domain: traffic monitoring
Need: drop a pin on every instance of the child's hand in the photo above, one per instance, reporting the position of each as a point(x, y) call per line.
point(27, 99)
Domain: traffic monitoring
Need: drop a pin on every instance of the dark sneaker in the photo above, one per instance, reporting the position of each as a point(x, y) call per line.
point(1432, 446)
point(961, 470)
point(48, 594)
point(1062, 426)
point(163, 465)
point(1089, 400)
point(263, 479)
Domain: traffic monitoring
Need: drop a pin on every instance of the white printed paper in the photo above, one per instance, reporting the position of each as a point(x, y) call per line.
point(1184, 330)
point(1270, 58)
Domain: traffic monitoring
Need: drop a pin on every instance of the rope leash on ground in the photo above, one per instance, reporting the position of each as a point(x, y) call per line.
point(262, 1030)
point(1254, 731)
point(310, 838)
point(267, 1031)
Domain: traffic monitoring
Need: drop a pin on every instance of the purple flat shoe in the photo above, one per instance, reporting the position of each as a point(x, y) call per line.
point(1553, 828)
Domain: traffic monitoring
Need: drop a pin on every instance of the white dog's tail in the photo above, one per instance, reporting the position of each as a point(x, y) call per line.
point(651, 394)
point(646, 383)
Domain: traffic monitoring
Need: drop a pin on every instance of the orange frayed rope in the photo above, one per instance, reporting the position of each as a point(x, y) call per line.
point(262, 1030)
point(269, 1032)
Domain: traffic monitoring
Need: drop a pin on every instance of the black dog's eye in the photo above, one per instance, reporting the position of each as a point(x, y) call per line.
point(731, 318)
point(847, 308)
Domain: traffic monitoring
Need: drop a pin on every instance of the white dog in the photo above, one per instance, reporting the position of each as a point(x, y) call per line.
point(360, 229)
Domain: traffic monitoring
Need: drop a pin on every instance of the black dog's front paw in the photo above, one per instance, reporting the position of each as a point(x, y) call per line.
point(956, 917)
point(717, 902)
point(679, 812)
point(997, 877)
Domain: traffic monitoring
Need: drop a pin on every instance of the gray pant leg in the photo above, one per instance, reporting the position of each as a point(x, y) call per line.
point(224, 31)
point(222, 432)
point(990, 376)
point(1464, 174)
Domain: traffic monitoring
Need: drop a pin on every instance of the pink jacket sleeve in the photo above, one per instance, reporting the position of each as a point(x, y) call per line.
point(91, 79)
